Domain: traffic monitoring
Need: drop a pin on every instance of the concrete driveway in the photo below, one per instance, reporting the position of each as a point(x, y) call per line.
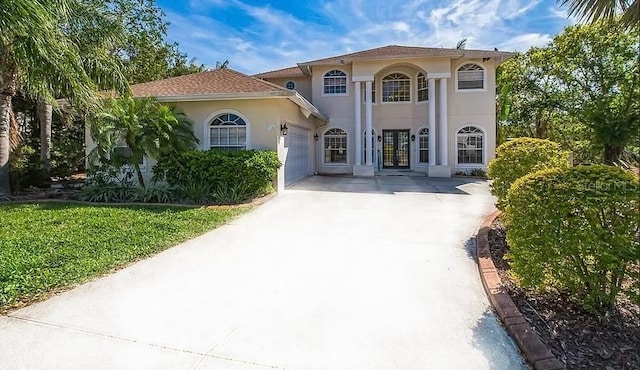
point(336, 273)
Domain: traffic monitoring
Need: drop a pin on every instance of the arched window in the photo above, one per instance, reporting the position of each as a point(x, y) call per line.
point(470, 145)
point(290, 85)
point(470, 77)
point(423, 145)
point(396, 87)
point(423, 87)
point(335, 82)
point(335, 146)
point(228, 132)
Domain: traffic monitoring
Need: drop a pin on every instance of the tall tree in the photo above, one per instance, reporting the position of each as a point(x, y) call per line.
point(39, 58)
point(597, 10)
point(558, 93)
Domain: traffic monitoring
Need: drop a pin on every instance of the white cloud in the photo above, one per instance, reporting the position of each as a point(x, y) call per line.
point(270, 36)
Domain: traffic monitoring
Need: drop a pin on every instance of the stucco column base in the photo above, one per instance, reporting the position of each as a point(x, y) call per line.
point(363, 171)
point(439, 171)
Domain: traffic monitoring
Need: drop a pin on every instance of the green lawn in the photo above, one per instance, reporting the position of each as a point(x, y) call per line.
point(49, 246)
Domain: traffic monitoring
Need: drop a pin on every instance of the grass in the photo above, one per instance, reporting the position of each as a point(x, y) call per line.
point(47, 247)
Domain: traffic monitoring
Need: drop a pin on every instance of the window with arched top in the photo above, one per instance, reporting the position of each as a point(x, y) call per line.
point(335, 82)
point(423, 87)
point(335, 146)
point(423, 145)
point(471, 144)
point(228, 132)
point(396, 87)
point(470, 77)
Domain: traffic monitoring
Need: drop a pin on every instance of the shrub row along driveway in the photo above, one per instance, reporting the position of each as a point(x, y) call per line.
point(336, 273)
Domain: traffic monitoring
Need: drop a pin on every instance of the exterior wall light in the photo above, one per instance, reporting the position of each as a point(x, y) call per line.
point(379, 138)
point(315, 137)
point(284, 130)
point(413, 137)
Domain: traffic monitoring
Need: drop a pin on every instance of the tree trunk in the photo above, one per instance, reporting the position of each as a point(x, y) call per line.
point(45, 118)
point(612, 154)
point(139, 173)
point(5, 145)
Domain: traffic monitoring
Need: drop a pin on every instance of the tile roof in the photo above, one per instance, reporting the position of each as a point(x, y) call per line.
point(281, 73)
point(219, 81)
point(397, 51)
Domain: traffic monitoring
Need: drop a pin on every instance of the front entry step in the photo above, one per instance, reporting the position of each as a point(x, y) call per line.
point(359, 170)
point(439, 171)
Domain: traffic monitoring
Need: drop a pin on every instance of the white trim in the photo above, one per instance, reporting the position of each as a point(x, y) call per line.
point(484, 147)
point(484, 77)
point(207, 123)
point(232, 96)
point(362, 78)
point(332, 164)
point(438, 75)
point(346, 86)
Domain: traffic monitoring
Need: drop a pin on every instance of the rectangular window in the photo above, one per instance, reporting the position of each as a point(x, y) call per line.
point(424, 149)
point(373, 92)
point(423, 88)
point(124, 154)
point(335, 149)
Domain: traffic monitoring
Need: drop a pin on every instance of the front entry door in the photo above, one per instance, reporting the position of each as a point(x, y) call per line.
point(395, 152)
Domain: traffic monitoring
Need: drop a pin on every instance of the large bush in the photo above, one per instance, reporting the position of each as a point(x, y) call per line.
point(232, 177)
point(519, 157)
point(576, 230)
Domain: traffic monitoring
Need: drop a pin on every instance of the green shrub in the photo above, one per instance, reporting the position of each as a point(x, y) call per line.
point(519, 157)
point(249, 172)
point(108, 193)
point(576, 230)
point(156, 194)
point(198, 192)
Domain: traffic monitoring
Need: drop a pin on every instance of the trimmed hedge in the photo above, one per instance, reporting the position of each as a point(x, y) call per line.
point(576, 230)
point(233, 176)
point(519, 157)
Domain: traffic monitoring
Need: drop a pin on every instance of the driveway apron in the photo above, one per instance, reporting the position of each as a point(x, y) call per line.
point(335, 273)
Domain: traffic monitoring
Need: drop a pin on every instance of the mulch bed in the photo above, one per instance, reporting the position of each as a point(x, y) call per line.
point(577, 338)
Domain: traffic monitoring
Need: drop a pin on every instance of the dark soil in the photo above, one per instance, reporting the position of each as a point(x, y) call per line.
point(576, 337)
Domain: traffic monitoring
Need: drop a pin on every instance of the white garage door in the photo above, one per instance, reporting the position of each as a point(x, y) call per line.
point(296, 165)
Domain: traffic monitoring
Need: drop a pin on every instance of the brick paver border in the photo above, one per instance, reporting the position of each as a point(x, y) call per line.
point(534, 349)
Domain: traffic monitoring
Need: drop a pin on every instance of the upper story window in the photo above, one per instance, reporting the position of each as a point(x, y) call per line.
point(423, 87)
point(290, 85)
point(470, 146)
point(470, 77)
point(396, 87)
point(335, 82)
point(373, 92)
point(335, 146)
point(228, 132)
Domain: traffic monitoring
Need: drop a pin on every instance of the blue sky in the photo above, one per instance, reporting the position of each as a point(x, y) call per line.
point(257, 36)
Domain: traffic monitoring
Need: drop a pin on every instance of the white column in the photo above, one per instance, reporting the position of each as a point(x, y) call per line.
point(443, 131)
point(369, 123)
point(432, 122)
point(358, 125)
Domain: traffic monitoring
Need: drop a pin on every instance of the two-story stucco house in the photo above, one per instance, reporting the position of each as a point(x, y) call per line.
point(394, 108)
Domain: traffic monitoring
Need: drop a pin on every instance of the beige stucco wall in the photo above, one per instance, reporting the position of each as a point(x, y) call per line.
point(263, 116)
point(463, 107)
point(303, 85)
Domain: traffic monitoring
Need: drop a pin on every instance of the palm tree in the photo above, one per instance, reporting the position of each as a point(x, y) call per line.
point(595, 10)
point(40, 57)
point(146, 127)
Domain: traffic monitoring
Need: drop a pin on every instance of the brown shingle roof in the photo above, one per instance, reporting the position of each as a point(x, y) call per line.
point(222, 81)
point(396, 51)
point(281, 73)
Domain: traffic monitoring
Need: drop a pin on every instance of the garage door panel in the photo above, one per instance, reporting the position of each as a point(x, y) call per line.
point(297, 162)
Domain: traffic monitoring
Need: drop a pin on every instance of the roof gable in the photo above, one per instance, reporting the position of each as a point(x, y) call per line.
point(221, 81)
